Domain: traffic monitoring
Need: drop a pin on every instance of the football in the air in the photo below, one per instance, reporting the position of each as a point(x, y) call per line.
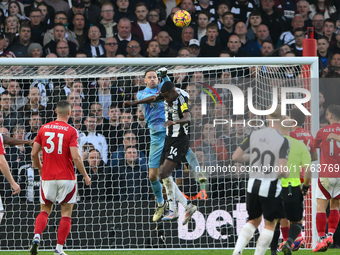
point(182, 18)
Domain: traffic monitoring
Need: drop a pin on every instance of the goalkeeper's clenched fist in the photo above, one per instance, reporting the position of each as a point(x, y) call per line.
point(162, 72)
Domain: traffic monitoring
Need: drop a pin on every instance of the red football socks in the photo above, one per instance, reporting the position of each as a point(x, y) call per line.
point(41, 222)
point(64, 229)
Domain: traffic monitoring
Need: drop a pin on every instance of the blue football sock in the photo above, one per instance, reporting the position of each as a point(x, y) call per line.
point(192, 160)
point(157, 190)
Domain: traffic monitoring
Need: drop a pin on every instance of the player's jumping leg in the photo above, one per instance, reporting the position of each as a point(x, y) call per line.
point(157, 190)
point(40, 225)
point(193, 162)
point(64, 227)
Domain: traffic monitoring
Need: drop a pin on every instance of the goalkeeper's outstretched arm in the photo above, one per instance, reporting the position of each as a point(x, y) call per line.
point(147, 100)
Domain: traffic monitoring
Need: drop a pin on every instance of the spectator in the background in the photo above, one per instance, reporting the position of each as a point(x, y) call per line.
point(129, 139)
point(20, 46)
point(63, 49)
point(322, 6)
point(133, 49)
point(267, 48)
point(206, 6)
point(187, 35)
point(153, 49)
point(79, 29)
point(35, 122)
point(234, 45)
point(35, 50)
point(33, 106)
point(228, 27)
point(141, 28)
point(102, 123)
point(76, 118)
point(253, 48)
point(153, 18)
point(78, 6)
point(107, 93)
point(124, 35)
point(12, 27)
point(241, 32)
point(336, 47)
point(303, 8)
point(194, 48)
point(90, 135)
point(97, 171)
point(123, 11)
point(47, 13)
point(202, 23)
point(92, 12)
point(59, 34)
point(317, 22)
point(297, 47)
point(45, 85)
point(328, 30)
point(126, 121)
point(58, 6)
point(15, 9)
point(242, 9)
point(130, 177)
point(322, 108)
point(94, 47)
point(38, 28)
point(173, 31)
point(222, 8)
point(14, 89)
point(323, 51)
point(164, 40)
point(211, 47)
point(288, 37)
point(283, 49)
point(333, 68)
point(272, 19)
point(114, 135)
point(107, 26)
point(111, 47)
point(60, 17)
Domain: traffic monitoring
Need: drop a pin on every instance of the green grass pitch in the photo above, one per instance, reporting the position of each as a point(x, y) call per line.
point(167, 252)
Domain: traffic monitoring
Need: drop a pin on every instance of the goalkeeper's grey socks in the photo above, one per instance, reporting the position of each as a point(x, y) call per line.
point(244, 237)
point(171, 192)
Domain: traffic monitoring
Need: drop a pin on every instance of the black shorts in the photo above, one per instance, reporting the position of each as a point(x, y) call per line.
point(175, 148)
point(270, 207)
point(293, 203)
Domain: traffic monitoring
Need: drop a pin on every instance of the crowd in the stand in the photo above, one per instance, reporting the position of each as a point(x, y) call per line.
point(115, 140)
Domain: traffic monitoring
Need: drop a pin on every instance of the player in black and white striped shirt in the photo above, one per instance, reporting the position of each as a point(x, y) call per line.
point(177, 119)
point(268, 156)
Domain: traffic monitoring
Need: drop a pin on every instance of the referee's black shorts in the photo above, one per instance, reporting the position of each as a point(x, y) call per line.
point(293, 203)
point(175, 148)
point(270, 207)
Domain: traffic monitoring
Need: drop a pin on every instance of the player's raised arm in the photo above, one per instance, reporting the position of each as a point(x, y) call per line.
point(14, 141)
point(7, 173)
point(79, 164)
point(239, 154)
point(147, 100)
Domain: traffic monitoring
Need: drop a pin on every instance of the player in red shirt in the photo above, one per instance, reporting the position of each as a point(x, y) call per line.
point(4, 167)
point(329, 181)
point(59, 144)
point(302, 134)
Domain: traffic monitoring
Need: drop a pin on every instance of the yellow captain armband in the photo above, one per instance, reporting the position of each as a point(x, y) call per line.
point(184, 107)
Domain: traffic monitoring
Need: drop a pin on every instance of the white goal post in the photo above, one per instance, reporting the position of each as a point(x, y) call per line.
point(117, 212)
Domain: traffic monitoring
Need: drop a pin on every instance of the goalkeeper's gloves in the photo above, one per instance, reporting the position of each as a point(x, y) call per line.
point(305, 189)
point(162, 72)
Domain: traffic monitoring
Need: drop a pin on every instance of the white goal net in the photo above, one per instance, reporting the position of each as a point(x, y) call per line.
point(115, 212)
